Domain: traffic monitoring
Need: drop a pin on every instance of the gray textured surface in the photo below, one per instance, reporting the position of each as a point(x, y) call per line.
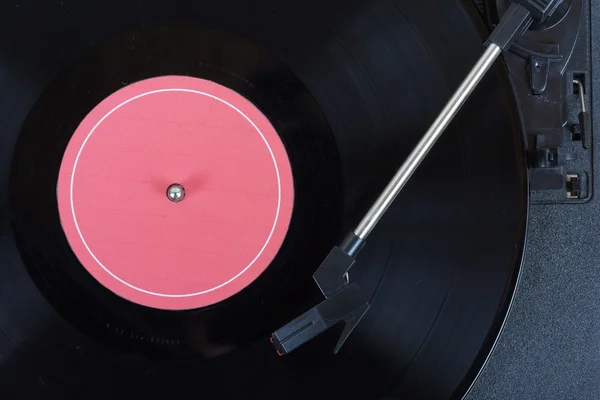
point(550, 345)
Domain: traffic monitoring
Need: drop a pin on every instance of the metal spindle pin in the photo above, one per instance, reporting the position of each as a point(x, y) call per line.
point(175, 192)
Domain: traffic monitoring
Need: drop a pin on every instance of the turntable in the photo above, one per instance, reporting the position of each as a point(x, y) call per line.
point(281, 199)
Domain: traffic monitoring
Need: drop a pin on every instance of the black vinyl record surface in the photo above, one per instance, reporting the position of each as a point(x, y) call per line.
point(350, 88)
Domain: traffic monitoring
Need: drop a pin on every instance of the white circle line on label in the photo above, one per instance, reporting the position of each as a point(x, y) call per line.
point(164, 294)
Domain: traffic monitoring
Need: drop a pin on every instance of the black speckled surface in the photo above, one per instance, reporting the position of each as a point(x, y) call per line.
point(550, 345)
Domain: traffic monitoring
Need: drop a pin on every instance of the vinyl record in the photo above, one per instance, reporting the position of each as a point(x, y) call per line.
point(346, 92)
point(296, 117)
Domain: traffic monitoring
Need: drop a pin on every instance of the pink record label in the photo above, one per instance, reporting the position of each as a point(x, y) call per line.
point(175, 247)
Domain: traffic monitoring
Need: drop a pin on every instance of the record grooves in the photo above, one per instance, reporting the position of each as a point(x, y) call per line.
point(349, 90)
